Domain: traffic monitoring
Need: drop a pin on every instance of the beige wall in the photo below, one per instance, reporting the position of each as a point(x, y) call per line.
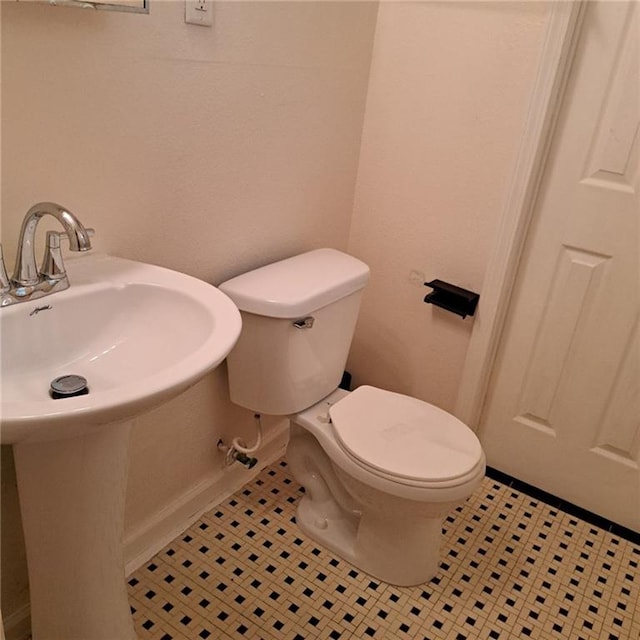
point(204, 150)
point(448, 92)
point(214, 150)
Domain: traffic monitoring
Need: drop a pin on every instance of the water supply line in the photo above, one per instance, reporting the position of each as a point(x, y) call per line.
point(239, 451)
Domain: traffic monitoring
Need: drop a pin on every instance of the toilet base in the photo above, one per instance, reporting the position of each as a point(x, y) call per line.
point(397, 542)
point(336, 532)
point(391, 561)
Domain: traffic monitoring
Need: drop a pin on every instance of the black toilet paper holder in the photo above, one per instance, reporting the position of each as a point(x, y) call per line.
point(452, 298)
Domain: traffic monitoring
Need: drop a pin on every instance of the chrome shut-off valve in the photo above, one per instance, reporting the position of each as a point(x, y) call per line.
point(233, 455)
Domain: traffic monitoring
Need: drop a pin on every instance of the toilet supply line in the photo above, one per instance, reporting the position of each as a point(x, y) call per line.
point(239, 451)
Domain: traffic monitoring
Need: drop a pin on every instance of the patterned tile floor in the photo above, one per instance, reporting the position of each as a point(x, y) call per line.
point(512, 567)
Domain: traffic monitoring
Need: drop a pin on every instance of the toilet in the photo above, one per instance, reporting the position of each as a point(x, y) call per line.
point(381, 470)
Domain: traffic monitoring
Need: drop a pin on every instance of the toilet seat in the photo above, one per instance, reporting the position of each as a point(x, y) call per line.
point(404, 439)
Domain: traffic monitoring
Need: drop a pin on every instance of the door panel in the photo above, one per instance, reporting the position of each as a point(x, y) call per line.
point(563, 407)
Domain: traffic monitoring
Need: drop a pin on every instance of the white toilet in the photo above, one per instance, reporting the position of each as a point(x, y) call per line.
point(380, 470)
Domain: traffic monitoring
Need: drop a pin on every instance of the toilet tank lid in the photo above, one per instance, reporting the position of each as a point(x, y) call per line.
point(299, 285)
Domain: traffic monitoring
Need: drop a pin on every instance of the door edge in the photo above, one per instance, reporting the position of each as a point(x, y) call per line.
point(563, 32)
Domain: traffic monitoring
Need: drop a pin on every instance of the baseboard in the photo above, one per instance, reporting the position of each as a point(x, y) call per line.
point(568, 507)
point(142, 543)
point(17, 625)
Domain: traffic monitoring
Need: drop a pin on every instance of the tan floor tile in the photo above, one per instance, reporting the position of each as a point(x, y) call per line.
point(512, 567)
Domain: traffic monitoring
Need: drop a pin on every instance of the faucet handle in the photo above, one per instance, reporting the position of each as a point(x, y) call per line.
point(52, 265)
point(5, 283)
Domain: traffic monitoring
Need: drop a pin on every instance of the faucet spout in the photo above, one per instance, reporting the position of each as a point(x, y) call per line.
point(26, 271)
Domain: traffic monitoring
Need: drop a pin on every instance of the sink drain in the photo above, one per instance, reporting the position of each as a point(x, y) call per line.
point(68, 386)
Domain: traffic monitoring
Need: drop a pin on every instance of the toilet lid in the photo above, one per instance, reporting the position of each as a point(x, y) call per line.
point(403, 436)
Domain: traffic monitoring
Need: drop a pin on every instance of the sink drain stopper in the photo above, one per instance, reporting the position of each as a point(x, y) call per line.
point(68, 386)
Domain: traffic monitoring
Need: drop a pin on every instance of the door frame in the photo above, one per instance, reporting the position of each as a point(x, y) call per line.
point(563, 32)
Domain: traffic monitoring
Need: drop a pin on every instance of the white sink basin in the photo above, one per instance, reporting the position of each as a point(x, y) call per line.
point(138, 333)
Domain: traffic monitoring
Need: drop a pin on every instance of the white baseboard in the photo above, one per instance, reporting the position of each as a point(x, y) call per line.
point(142, 543)
point(17, 625)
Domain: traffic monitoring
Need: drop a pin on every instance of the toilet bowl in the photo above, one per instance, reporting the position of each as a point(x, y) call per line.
point(380, 470)
point(360, 500)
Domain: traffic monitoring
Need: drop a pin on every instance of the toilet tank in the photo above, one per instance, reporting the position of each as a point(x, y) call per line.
point(298, 318)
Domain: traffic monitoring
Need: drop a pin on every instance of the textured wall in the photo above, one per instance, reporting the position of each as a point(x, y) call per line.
point(215, 150)
point(209, 151)
point(448, 93)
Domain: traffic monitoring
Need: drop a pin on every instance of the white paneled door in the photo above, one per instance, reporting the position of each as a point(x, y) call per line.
point(563, 408)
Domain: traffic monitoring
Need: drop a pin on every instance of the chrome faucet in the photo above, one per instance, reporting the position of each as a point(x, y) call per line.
point(29, 283)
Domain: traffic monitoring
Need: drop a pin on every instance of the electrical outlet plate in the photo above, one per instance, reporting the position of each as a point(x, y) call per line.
point(199, 12)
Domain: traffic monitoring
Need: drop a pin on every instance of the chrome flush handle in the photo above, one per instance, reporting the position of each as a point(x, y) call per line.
point(304, 323)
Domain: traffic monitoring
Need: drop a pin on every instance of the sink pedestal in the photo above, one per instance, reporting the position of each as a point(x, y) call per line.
point(116, 326)
point(72, 495)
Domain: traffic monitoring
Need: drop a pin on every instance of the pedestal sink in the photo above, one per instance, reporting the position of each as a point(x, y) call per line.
point(140, 335)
